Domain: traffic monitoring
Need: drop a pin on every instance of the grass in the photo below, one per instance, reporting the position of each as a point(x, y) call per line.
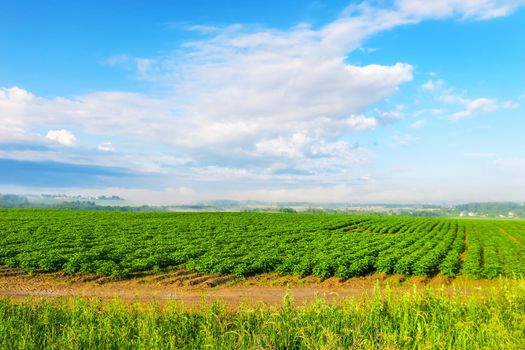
point(491, 318)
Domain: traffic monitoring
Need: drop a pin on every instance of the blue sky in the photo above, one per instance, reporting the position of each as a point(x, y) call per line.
point(181, 101)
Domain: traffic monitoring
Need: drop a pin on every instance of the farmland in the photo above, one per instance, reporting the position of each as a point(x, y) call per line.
point(207, 280)
point(245, 244)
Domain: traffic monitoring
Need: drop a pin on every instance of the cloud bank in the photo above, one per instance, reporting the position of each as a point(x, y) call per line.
point(244, 102)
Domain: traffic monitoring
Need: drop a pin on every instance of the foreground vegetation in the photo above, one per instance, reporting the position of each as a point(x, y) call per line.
point(120, 244)
point(434, 319)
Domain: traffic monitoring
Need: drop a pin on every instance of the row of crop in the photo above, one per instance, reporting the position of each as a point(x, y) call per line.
point(510, 251)
point(473, 263)
point(427, 262)
point(451, 265)
point(492, 252)
point(411, 255)
point(388, 258)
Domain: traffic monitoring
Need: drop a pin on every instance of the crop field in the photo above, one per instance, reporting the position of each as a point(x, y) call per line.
point(245, 244)
point(51, 263)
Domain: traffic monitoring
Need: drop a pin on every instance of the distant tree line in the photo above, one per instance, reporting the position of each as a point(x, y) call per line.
point(17, 201)
point(13, 201)
point(489, 209)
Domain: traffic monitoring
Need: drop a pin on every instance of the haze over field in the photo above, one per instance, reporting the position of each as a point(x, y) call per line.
point(336, 101)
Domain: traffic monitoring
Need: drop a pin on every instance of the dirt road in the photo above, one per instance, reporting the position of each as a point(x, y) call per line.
point(193, 289)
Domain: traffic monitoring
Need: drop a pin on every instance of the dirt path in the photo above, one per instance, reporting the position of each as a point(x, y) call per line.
point(193, 289)
point(190, 288)
point(232, 297)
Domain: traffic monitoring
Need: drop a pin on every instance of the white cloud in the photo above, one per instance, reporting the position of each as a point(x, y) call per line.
point(471, 106)
point(303, 155)
point(392, 115)
point(475, 106)
point(368, 49)
point(13, 102)
point(432, 85)
point(241, 91)
point(292, 147)
point(102, 113)
point(106, 147)
point(359, 123)
point(142, 66)
point(465, 9)
point(13, 133)
point(62, 136)
point(418, 124)
point(246, 101)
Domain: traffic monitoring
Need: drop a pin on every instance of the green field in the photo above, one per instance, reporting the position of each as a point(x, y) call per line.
point(244, 244)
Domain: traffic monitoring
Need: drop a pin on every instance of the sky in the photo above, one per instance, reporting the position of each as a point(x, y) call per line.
point(169, 102)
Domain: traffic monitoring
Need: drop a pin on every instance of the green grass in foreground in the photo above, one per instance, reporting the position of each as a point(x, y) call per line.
point(435, 319)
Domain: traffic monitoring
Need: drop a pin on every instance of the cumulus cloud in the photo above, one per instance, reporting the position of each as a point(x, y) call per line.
point(98, 113)
point(62, 136)
point(249, 101)
point(241, 93)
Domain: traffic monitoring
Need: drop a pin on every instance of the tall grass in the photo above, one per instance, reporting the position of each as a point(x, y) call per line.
point(435, 319)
